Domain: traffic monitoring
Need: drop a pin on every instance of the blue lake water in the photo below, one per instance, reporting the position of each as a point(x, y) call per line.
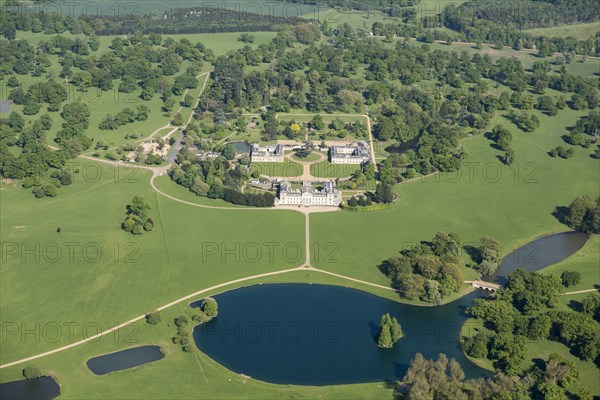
point(44, 388)
point(124, 359)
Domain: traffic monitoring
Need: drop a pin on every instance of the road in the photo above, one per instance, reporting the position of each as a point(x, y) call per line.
point(175, 149)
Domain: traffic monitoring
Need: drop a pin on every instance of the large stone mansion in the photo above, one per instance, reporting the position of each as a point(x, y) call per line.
point(272, 153)
point(355, 153)
point(308, 196)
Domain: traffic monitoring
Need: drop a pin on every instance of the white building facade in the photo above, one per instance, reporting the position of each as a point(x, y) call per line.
point(355, 153)
point(308, 196)
point(272, 153)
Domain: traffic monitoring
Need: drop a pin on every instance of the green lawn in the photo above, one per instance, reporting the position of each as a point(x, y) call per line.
point(325, 169)
point(314, 156)
point(578, 31)
point(512, 204)
point(184, 253)
point(221, 43)
point(284, 169)
point(588, 372)
point(194, 375)
point(541, 349)
point(586, 262)
point(327, 118)
point(588, 68)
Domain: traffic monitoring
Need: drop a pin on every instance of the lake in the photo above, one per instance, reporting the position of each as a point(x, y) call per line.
point(124, 359)
point(322, 335)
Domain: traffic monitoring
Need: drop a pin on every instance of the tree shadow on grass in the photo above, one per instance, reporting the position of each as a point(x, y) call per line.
point(473, 252)
point(561, 213)
point(575, 306)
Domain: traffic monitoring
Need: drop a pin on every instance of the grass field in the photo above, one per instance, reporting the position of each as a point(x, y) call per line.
point(589, 68)
point(578, 31)
point(585, 261)
point(327, 118)
point(541, 349)
point(133, 274)
point(325, 169)
point(286, 168)
point(484, 199)
point(194, 375)
point(314, 156)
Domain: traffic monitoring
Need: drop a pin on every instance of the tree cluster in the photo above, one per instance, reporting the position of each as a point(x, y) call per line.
point(209, 309)
point(443, 378)
point(37, 166)
point(390, 331)
point(182, 337)
point(124, 117)
point(429, 271)
point(216, 179)
point(137, 220)
point(583, 214)
point(525, 309)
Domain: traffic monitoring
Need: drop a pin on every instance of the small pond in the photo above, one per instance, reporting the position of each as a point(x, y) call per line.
point(241, 147)
point(124, 359)
point(541, 253)
point(44, 388)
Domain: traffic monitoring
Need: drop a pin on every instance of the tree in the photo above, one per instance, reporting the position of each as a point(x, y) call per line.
point(570, 278)
point(584, 215)
point(384, 339)
point(209, 307)
point(32, 372)
point(229, 152)
point(396, 330)
point(432, 292)
point(137, 220)
point(429, 379)
point(177, 120)
point(509, 157)
point(490, 255)
point(389, 331)
point(551, 391)
point(352, 202)
point(369, 171)
point(180, 321)
point(317, 122)
point(383, 193)
point(153, 318)
point(477, 346)
point(591, 305)
point(539, 327)
point(508, 352)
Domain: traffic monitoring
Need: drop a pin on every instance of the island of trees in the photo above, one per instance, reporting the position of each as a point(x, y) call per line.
point(390, 331)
